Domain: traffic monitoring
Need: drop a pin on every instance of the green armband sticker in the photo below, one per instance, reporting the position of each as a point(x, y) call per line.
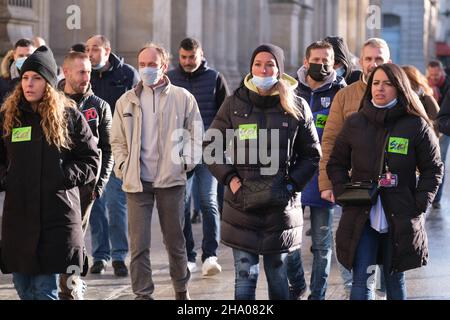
point(398, 145)
point(248, 132)
point(321, 121)
point(21, 134)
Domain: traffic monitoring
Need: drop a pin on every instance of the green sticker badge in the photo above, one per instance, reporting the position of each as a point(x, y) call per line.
point(21, 134)
point(321, 121)
point(248, 132)
point(398, 145)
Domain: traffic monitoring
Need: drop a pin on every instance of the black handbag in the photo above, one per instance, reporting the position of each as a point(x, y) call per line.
point(266, 191)
point(358, 194)
point(362, 193)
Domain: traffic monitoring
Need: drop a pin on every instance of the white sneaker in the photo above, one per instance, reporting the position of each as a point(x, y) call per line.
point(78, 288)
point(192, 266)
point(211, 267)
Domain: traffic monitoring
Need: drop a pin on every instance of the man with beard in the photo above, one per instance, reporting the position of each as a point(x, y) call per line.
point(375, 51)
point(209, 89)
point(77, 72)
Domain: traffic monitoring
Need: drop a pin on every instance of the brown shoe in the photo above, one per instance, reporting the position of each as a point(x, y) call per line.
point(182, 295)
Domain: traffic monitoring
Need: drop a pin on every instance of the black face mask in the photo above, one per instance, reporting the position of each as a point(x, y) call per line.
point(319, 71)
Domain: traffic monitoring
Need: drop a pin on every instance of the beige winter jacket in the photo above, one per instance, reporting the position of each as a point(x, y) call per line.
point(180, 133)
point(345, 103)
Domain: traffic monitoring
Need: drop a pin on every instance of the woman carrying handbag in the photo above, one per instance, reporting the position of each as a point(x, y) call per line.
point(393, 124)
point(255, 221)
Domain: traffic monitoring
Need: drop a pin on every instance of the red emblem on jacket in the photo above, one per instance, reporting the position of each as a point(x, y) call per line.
point(90, 114)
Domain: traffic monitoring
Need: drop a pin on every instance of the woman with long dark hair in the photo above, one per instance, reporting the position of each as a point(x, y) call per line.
point(391, 132)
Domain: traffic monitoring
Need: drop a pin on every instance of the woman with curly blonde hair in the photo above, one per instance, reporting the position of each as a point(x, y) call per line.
point(46, 152)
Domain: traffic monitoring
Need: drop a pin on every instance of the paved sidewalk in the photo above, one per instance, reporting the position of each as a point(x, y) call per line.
point(431, 282)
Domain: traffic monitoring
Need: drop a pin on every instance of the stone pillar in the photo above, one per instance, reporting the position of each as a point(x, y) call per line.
point(62, 35)
point(137, 24)
point(253, 30)
point(231, 56)
point(285, 30)
point(220, 37)
point(161, 22)
point(186, 21)
point(17, 20)
point(209, 36)
point(306, 27)
point(43, 27)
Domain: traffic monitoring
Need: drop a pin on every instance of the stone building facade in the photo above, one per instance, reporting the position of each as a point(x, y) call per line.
point(228, 29)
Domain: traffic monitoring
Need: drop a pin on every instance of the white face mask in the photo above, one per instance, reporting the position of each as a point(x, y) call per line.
point(390, 104)
point(99, 66)
point(150, 76)
point(264, 83)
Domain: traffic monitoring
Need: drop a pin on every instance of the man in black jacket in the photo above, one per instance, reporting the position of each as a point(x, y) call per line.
point(110, 79)
point(210, 90)
point(77, 72)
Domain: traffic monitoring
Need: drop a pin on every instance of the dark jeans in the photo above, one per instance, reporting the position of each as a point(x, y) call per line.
point(108, 223)
point(322, 240)
point(246, 266)
point(207, 188)
point(39, 287)
point(364, 267)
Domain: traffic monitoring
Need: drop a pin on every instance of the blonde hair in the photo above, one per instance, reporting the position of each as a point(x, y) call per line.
point(52, 109)
point(417, 79)
point(289, 100)
point(8, 59)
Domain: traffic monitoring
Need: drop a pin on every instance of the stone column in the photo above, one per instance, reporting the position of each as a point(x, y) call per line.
point(161, 22)
point(285, 30)
point(209, 34)
point(306, 27)
point(231, 51)
point(17, 21)
point(220, 37)
point(186, 21)
point(43, 27)
point(253, 30)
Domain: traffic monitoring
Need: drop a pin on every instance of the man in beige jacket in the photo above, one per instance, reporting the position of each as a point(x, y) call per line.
point(375, 51)
point(156, 138)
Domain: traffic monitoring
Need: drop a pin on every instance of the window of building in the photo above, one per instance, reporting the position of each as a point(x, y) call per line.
point(21, 3)
point(391, 32)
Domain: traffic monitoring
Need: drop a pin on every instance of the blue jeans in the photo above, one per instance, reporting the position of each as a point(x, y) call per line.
point(295, 272)
point(444, 141)
point(207, 189)
point(364, 267)
point(40, 287)
point(246, 267)
point(112, 204)
point(322, 240)
point(187, 229)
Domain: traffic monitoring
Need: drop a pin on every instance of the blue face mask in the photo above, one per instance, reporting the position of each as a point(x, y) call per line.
point(99, 66)
point(264, 83)
point(149, 75)
point(340, 71)
point(19, 62)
